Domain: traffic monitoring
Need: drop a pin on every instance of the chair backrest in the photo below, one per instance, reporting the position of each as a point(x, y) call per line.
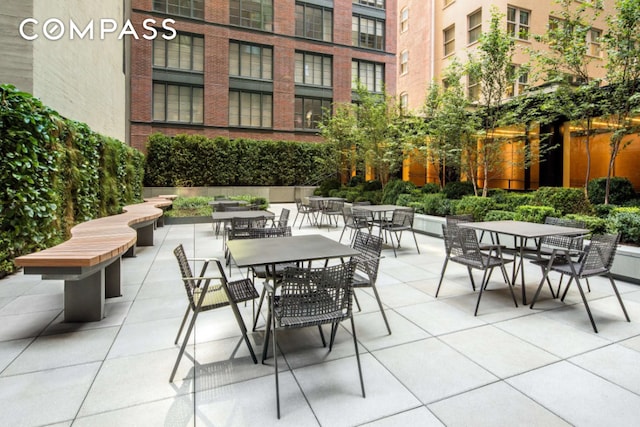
point(370, 248)
point(265, 233)
point(403, 217)
point(470, 246)
point(600, 253)
point(334, 206)
point(284, 217)
point(237, 208)
point(192, 286)
point(451, 239)
point(456, 219)
point(568, 242)
point(240, 227)
point(362, 203)
point(347, 216)
point(313, 292)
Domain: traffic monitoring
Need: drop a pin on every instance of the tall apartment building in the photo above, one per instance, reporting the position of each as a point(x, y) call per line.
point(262, 69)
point(83, 78)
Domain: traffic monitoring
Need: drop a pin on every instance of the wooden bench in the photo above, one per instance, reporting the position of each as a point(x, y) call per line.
point(90, 261)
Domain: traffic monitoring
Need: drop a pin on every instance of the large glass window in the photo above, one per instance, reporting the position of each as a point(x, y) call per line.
point(310, 111)
point(252, 14)
point(518, 22)
point(475, 25)
point(184, 52)
point(248, 60)
point(369, 74)
point(177, 103)
point(367, 32)
point(188, 8)
point(373, 3)
point(313, 69)
point(314, 22)
point(250, 109)
point(449, 40)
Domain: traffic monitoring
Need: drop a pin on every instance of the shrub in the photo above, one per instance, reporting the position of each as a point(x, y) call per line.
point(374, 197)
point(328, 185)
point(625, 221)
point(603, 211)
point(430, 188)
point(620, 190)
point(355, 181)
point(394, 188)
point(475, 205)
point(593, 223)
point(534, 213)
point(436, 204)
point(495, 215)
point(458, 189)
point(373, 185)
point(564, 200)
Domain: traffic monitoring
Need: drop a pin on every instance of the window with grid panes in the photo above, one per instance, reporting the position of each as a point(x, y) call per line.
point(249, 60)
point(312, 69)
point(474, 21)
point(314, 22)
point(404, 62)
point(188, 8)
point(473, 89)
point(518, 22)
point(367, 32)
point(178, 103)
point(593, 41)
point(449, 40)
point(252, 14)
point(373, 3)
point(521, 82)
point(250, 109)
point(310, 111)
point(404, 101)
point(369, 74)
point(184, 52)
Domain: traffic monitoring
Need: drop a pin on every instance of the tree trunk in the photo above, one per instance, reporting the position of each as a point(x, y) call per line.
point(587, 146)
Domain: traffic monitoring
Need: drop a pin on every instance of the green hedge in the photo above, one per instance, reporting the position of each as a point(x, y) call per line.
point(534, 213)
point(476, 206)
point(625, 221)
point(197, 161)
point(620, 190)
point(564, 200)
point(56, 173)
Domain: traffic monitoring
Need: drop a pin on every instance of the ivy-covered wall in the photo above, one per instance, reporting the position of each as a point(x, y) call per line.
point(197, 161)
point(56, 173)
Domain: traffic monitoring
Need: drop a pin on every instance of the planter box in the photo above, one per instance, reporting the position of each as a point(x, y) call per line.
point(272, 194)
point(626, 265)
point(168, 220)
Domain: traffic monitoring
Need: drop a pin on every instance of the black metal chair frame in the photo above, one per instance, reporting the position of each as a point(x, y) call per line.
point(401, 220)
point(354, 219)
point(306, 210)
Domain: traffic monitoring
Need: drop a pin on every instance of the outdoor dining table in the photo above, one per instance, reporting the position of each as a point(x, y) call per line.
point(379, 213)
point(521, 231)
point(225, 217)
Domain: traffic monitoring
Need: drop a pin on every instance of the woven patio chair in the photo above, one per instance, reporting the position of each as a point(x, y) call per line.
point(203, 295)
point(331, 209)
point(366, 273)
point(282, 220)
point(461, 245)
point(306, 210)
point(354, 219)
point(311, 297)
point(596, 260)
point(401, 220)
point(240, 229)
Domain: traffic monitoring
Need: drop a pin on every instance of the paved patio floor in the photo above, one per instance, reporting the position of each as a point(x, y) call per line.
point(440, 366)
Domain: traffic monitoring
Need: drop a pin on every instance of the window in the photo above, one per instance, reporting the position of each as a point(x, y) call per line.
point(314, 22)
point(521, 82)
point(182, 53)
point(404, 19)
point(593, 41)
point(373, 3)
point(313, 69)
point(475, 25)
point(310, 111)
point(252, 14)
point(449, 37)
point(518, 23)
point(367, 32)
point(177, 103)
point(369, 74)
point(404, 101)
point(188, 8)
point(448, 2)
point(248, 60)
point(473, 89)
point(250, 109)
point(404, 62)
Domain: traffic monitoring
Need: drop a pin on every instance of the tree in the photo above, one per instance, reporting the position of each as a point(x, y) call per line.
point(622, 42)
point(568, 56)
point(491, 67)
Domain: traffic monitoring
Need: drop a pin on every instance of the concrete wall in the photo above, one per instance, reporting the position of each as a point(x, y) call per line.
point(82, 79)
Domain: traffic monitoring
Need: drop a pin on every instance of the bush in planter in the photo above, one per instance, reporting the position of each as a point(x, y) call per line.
point(495, 215)
point(458, 189)
point(625, 221)
point(190, 206)
point(394, 188)
point(375, 197)
point(564, 200)
point(603, 211)
point(593, 223)
point(620, 190)
point(476, 206)
point(430, 188)
point(326, 186)
point(355, 181)
point(534, 213)
point(373, 185)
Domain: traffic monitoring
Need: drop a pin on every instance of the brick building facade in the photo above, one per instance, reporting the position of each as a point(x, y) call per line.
point(261, 69)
